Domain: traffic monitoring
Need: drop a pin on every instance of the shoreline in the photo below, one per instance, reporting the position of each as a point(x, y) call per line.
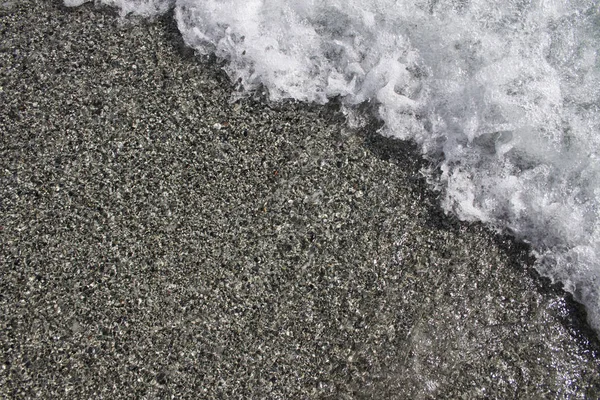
point(160, 240)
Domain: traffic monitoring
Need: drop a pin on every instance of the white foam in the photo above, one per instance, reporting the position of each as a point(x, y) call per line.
point(503, 94)
point(75, 3)
point(144, 8)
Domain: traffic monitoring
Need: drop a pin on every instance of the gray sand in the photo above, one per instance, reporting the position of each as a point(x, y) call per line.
point(147, 252)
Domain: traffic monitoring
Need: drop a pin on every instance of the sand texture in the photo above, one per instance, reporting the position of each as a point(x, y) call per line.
point(158, 240)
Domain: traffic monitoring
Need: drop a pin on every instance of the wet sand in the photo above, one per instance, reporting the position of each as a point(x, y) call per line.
point(158, 240)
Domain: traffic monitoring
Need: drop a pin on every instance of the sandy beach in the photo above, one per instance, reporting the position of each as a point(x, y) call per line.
point(159, 240)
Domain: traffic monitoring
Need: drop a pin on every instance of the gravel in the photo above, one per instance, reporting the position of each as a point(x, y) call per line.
point(160, 240)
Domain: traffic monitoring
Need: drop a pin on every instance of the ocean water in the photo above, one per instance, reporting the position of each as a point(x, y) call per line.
point(502, 96)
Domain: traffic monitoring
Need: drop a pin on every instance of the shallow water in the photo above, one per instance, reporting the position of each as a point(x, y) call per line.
point(501, 96)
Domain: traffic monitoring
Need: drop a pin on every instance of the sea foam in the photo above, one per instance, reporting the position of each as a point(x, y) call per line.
point(502, 96)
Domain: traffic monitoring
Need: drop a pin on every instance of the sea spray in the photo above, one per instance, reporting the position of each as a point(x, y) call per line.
point(502, 96)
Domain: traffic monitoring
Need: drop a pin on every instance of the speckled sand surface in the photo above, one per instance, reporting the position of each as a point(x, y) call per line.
point(160, 241)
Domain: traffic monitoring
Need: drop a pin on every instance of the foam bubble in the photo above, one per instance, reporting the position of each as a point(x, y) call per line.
point(75, 3)
point(145, 8)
